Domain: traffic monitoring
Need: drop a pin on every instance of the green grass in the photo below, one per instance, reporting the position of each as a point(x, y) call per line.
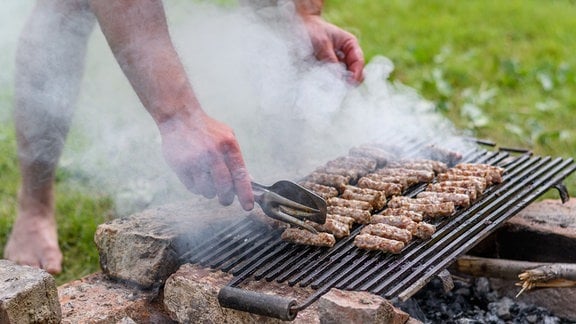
point(502, 69)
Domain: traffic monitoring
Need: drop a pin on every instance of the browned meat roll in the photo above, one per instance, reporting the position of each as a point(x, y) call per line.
point(389, 189)
point(356, 204)
point(377, 201)
point(332, 226)
point(469, 190)
point(428, 209)
point(423, 164)
point(415, 216)
point(397, 221)
point(461, 200)
point(387, 231)
point(359, 215)
point(372, 242)
point(333, 180)
point(304, 237)
point(424, 230)
point(321, 190)
point(420, 175)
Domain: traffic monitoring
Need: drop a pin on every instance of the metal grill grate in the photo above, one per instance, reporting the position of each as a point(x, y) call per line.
point(250, 251)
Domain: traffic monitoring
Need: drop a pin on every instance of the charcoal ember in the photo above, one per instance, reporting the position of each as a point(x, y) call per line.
point(472, 302)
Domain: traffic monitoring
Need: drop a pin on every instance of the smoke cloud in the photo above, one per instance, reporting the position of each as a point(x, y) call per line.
point(255, 71)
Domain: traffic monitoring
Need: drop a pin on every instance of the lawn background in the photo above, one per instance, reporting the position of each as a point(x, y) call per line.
point(502, 69)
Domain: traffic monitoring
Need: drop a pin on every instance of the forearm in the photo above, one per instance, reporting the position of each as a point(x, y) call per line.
point(138, 35)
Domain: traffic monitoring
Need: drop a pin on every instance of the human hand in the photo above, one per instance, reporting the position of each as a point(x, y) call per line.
point(333, 44)
point(206, 157)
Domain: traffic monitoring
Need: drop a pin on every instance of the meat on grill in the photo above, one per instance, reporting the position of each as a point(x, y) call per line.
point(377, 201)
point(381, 156)
point(420, 205)
point(387, 231)
point(332, 226)
point(349, 221)
point(415, 216)
point(360, 216)
point(424, 230)
point(405, 181)
point(394, 220)
point(389, 189)
point(333, 180)
point(420, 175)
point(460, 200)
point(323, 191)
point(356, 204)
point(373, 242)
point(479, 183)
point(469, 190)
point(365, 164)
point(301, 236)
point(431, 165)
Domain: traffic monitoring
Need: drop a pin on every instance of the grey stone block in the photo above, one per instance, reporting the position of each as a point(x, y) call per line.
point(27, 295)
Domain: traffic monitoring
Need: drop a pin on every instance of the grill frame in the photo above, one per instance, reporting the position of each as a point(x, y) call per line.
point(251, 251)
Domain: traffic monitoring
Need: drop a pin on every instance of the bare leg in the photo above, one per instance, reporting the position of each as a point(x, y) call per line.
point(49, 68)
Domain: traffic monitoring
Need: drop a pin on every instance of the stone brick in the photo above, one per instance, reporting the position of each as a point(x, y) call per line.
point(338, 306)
point(27, 295)
point(144, 248)
point(97, 299)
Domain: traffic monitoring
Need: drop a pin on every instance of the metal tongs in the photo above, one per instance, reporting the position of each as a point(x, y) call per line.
point(291, 203)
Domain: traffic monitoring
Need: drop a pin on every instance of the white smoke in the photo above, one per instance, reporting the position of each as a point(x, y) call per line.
point(255, 71)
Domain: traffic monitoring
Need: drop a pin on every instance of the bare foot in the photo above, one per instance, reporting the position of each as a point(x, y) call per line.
point(34, 242)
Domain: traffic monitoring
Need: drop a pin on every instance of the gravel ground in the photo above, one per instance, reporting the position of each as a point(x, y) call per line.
point(473, 302)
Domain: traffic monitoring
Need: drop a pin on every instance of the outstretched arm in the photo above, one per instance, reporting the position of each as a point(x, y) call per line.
point(202, 151)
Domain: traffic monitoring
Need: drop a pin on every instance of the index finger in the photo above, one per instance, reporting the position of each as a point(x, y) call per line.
point(240, 178)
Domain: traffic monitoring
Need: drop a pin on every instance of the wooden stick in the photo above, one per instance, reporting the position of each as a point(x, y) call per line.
point(531, 274)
